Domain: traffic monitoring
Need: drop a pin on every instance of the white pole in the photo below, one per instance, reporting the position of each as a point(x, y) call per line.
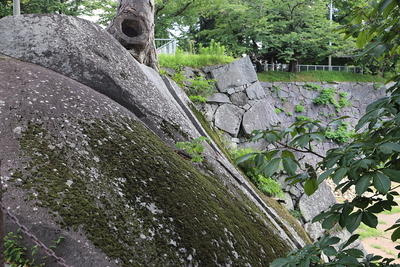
point(16, 7)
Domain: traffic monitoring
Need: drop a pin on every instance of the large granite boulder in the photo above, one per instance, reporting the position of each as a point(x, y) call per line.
point(90, 158)
point(241, 72)
point(259, 117)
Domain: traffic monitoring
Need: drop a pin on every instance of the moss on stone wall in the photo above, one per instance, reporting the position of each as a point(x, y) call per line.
point(139, 201)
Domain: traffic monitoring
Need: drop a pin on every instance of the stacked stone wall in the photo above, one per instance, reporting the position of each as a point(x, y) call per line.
point(243, 104)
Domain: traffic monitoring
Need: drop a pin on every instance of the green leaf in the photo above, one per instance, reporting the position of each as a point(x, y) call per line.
point(392, 174)
point(244, 158)
point(330, 162)
point(395, 235)
point(303, 140)
point(321, 216)
point(350, 240)
point(348, 261)
point(329, 251)
point(381, 182)
point(325, 175)
point(331, 241)
point(331, 221)
point(389, 147)
point(353, 221)
point(259, 159)
point(363, 183)
point(369, 219)
point(289, 165)
point(310, 186)
point(270, 168)
point(287, 153)
point(270, 137)
point(339, 175)
point(361, 39)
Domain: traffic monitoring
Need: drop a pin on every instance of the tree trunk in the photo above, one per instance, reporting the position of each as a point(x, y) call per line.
point(292, 66)
point(2, 261)
point(133, 27)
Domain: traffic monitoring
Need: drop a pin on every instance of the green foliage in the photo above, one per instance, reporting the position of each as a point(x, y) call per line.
point(299, 108)
point(195, 148)
point(198, 99)
point(200, 86)
point(279, 110)
point(326, 97)
point(181, 59)
point(276, 88)
point(16, 254)
point(197, 89)
point(310, 255)
point(289, 113)
point(215, 49)
point(369, 162)
point(310, 86)
point(267, 185)
point(74, 7)
point(341, 134)
point(303, 118)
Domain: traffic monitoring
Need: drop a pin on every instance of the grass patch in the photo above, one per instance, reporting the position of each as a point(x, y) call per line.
point(366, 232)
point(388, 251)
point(394, 210)
point(182, 59)
point(317, 76)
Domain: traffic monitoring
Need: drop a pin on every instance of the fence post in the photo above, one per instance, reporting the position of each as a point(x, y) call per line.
point(2, 261)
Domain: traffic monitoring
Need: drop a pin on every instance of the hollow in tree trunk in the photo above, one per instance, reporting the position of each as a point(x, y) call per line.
point(133, 27)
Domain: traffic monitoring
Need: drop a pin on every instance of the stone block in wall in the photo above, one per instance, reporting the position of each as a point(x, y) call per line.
point(238, 73)
point(288, 202)
point(322, 199)
point(255, 91)
point(218, 98)
point(208, 111)
point(259, 117)
point(314, 230)
point(208, 69)
point(266, 84)
point(239, 99)
point(228, 118)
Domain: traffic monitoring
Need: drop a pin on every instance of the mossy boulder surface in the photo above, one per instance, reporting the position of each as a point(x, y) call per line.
point(77, 164)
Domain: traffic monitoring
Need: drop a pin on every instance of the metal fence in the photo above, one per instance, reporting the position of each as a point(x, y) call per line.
point(284, 67)
point(165, 46)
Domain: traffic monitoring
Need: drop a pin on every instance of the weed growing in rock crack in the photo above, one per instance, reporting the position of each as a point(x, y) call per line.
point(327, 97)
point(341, 134)
point(311, 86)
point(195, 148)
point(267, 185)
point(299, 108)
point(16, 254)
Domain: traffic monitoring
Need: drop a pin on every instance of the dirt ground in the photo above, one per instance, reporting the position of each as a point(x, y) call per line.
point(381, 245)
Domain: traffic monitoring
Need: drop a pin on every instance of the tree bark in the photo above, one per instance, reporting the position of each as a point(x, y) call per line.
point(2, 261)
point(133, 27)
point(292, 66)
